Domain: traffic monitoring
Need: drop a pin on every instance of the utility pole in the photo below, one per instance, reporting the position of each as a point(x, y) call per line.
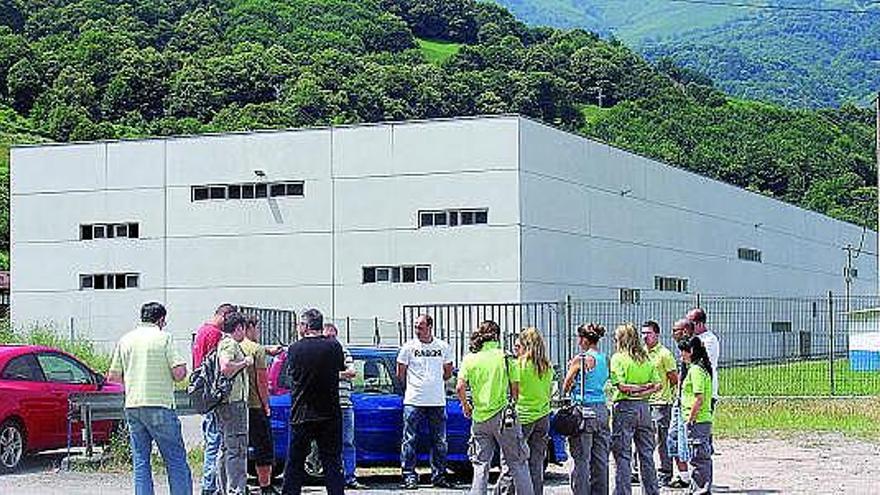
point(847, 276)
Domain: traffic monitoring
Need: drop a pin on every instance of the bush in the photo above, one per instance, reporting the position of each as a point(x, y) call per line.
point(39, 335)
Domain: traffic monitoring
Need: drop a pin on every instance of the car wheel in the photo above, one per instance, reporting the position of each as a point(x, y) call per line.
point(12, 445)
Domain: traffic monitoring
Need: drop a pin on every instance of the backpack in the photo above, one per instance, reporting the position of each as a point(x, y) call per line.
point(208, 387)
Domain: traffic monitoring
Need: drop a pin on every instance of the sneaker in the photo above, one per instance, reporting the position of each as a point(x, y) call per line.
point(269, 490)
point(634, 479)
point(444, 483)
point(355, 485)
point(678, 483)
point(409, 484)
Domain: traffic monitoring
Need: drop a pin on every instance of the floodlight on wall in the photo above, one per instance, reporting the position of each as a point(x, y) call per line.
point(260, 173)
point(759, 225)
point(624, 192)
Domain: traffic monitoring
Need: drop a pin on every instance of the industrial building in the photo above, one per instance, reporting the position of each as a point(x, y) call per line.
point(359, 220)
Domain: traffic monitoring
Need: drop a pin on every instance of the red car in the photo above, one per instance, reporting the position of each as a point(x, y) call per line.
point(35, 382)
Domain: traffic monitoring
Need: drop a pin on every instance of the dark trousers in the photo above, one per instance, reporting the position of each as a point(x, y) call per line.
point(328, 435)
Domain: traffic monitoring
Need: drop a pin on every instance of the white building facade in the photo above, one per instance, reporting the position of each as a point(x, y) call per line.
point(359, 220)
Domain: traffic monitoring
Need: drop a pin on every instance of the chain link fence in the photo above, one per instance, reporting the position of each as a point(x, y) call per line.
point(770, 346)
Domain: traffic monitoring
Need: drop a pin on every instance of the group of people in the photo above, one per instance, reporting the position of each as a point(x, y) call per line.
point(656, 404)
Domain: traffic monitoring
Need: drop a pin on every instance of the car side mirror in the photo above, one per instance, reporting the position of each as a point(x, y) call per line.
point(100, 380)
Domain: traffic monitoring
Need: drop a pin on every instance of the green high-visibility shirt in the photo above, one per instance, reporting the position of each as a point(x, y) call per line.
point(534, 392)
point(485, 374)
point(664, 361)
point(625, 370)
point(696, 382)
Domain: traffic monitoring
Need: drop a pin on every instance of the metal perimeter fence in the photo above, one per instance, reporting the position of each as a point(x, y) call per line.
point(770, 346)
point(278, 326)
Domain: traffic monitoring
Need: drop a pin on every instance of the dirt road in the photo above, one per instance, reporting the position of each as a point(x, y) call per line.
point(825, 464)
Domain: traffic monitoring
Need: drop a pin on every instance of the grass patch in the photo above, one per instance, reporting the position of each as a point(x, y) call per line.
point(748, 418)
point(437, 51)
point(593, 113)
point(82, 349)
point(798, 379)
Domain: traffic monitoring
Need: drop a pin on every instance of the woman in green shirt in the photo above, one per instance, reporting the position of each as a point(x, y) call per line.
point(533, 406)
point(634, 379)
point(696, 411)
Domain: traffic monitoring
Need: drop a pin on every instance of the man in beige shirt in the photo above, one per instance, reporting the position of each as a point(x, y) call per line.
point(232, 414)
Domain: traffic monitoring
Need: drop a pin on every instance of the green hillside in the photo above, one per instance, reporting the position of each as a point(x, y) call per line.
point(799, 59)
point(84, 70)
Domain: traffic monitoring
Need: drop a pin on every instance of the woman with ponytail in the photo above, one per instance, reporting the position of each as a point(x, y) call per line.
point(696, 411)
point(634, 378)
point(585, 379)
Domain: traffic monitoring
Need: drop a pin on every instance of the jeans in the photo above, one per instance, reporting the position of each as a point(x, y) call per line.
point(232, 461)
point(535, 434)
point(211, 435)
point(159, 424)
point(412, 419)
point(328, 435)
point(348, 448)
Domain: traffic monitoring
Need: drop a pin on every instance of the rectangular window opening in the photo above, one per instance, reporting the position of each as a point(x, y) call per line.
point(85, 232)
point(218, 192)
point(234, 192)
point(199, 193)
point(295, 189)
point(277, 190)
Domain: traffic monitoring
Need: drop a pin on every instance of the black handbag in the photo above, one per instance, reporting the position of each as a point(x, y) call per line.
point(569, 420)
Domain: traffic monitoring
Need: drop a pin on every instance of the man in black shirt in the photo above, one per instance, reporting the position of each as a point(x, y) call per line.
point(315, 363)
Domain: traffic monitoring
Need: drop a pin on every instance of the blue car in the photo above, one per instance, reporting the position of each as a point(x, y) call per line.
point(378, 409)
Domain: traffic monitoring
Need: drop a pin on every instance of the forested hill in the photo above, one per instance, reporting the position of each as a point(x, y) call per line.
point(92, 69)
point(805, 53)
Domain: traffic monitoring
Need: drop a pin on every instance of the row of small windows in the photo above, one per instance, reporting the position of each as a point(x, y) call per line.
point(91, 231)
point(453, 218)
point(749, 254)
point(406, 274)
point(248, 191)
point(670, 284)
point(100, 281)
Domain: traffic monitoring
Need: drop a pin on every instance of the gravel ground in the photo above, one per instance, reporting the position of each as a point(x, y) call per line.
point(824, 464)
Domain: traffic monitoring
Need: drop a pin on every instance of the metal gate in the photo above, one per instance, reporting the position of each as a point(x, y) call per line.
point(277, 326)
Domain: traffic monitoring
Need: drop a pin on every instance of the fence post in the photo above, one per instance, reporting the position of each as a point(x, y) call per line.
point(348, 329)
point(376, 337)
point(564, 334)
point(831, 343)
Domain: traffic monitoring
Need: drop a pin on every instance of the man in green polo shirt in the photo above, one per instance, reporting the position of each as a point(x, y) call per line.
point(660, 401)
point(146, 361)
point(494, 384)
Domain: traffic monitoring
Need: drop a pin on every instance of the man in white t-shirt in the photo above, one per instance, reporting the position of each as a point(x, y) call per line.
point(423, 366)
point(710, 341)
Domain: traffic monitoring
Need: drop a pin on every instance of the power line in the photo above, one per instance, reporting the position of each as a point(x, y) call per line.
point(779, 7)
